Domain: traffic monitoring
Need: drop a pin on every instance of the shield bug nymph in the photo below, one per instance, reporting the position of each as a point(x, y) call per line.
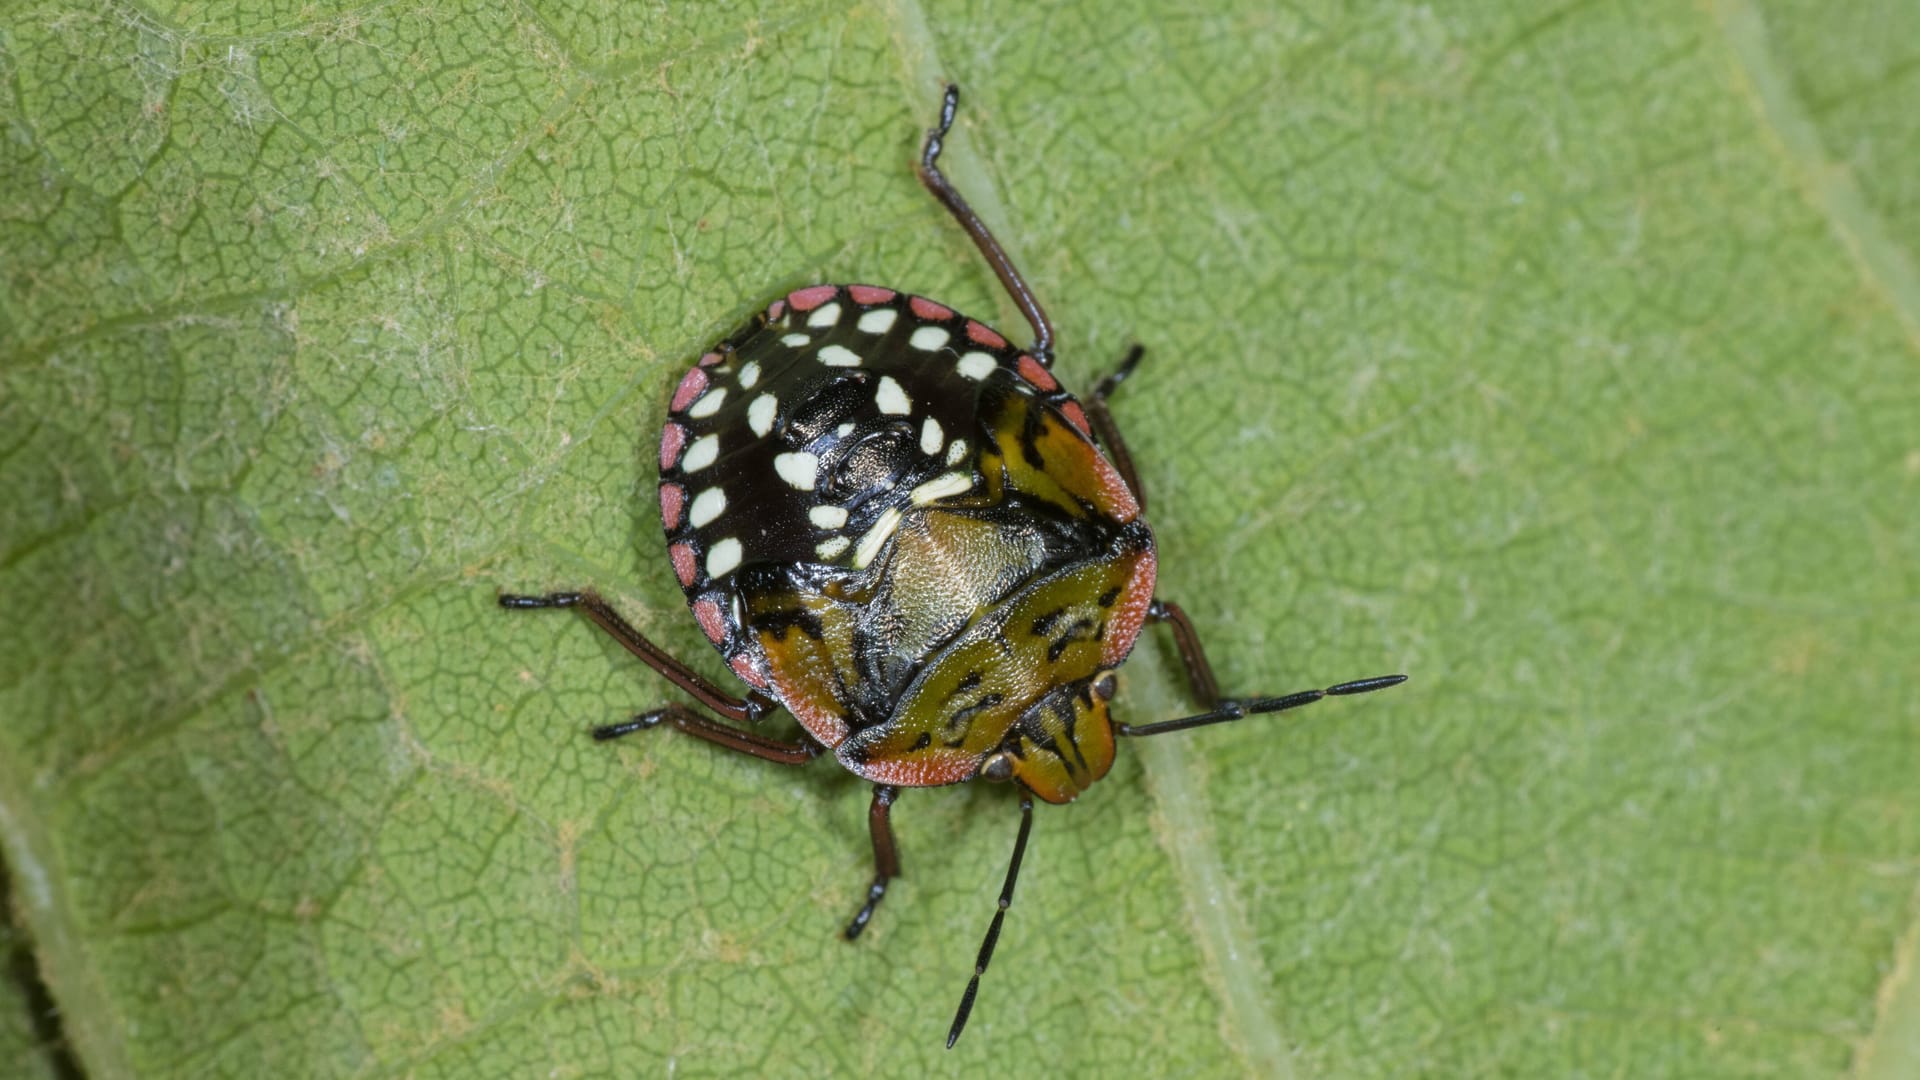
point(897, 525)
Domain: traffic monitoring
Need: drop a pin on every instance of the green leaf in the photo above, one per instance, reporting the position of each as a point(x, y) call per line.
point(26, 1020)
point(1561, 358)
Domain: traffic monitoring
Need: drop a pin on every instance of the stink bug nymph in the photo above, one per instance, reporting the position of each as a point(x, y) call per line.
point(897, 526)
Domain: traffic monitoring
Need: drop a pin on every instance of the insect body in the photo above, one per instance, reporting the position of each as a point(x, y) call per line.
point(898, 526)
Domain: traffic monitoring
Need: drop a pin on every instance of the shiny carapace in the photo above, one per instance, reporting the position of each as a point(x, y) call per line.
point(899, 527)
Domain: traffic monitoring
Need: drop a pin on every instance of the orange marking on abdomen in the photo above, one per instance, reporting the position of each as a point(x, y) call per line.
point(743, 666)
point(925, 768)
point(712, 622)
point(981, 335)
point(692, 384)
point(685, 563)
point(673, 439)
point(929, 310)
point(1031, 371)
point(827, 728)
point(673, 498)
point(1077, 417)
point(1123, 627)
point(811, 297)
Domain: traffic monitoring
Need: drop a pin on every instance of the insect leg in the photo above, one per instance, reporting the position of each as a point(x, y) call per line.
point(977, 231)
point(1101, 417)
point(1206, 689)
point(1236, 710)
point(1193, 658)
point(993, 931)
point(886, 857)
point(751, 708)
point(745, 742)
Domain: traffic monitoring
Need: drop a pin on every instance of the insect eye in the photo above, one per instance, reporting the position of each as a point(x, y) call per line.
point(998, 767)
point(1104, 687)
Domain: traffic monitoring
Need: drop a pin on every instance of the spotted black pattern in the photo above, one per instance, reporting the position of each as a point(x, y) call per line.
point(797, 446)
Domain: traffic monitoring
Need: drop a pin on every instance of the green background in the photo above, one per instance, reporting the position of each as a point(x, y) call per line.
point(1564, 357)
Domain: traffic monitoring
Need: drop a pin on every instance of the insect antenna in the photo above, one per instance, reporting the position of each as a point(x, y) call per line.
point(993, 931)
point(1239, 709)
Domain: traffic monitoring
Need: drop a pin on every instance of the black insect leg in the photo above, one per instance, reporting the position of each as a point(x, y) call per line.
point(751, 708)
point(886, 857)
point(1193, 658)
point(1101, 417)
point(745, 742)
point(977, 231)
point(993, 930)
point(1206, 689)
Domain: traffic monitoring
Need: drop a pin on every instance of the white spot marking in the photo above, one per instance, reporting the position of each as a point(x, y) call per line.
point(870, 543)
point(827, 517)
point(824, 316)
point(891, 398)
point(844, 430)
point(839, 356)
point(707, 506)
point(928, 338)
point(749, 374)
point(977, 365)
point(796, 341)
point(701, 453)
point(724, 557)
point(877, 321)
point(709, 403)
point(957, 451)
point(798, 468)
point(931, 437)
point(760, 414)
point(831, 548)
point(941, 486)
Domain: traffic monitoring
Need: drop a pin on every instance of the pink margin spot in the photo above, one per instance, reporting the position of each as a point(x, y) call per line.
point(929, 768)
point(981, 335)
point(711, 359)
point(1031, 371)
point(870, 294)
point(1077, 417)
point(776, 309)
point(685, 563)
point(927, 309)
point(1126, 619)
point(673, 498)
point(673, 439)
point(692, 385)
point(742, 665)
point(811, 297)
point(711, 621)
